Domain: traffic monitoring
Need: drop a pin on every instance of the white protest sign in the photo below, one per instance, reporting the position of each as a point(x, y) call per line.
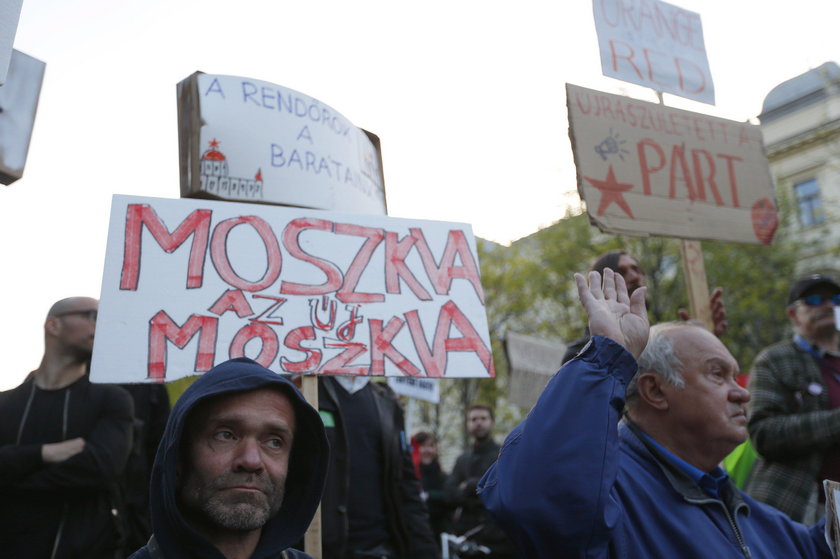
point(426, 389)
point(246, 139)
point(646, 169)
point(18, 105)
point(9, 17)
point(191, 283)
point(654, 44)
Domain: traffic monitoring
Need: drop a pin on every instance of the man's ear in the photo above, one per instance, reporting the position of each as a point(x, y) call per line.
point(52, 326)
point(791, 312)
point(649, 386)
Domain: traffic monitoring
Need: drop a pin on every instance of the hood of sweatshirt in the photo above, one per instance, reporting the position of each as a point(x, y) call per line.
point(304, 482)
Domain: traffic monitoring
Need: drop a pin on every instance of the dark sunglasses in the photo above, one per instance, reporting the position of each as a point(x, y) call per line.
point(816, 300)
point(89, 314)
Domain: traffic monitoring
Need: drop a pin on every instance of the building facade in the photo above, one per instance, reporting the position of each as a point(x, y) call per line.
point(800, 120)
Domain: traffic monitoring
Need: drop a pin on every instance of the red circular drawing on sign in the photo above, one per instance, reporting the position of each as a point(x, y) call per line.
point(765, 220)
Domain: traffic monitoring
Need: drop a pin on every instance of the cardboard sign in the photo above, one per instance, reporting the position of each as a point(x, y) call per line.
point(426, 389)
point(245, 139)
point(654, 44)
point(646, 169)
point(533, 361)
point(191, 283)
point(19, 102)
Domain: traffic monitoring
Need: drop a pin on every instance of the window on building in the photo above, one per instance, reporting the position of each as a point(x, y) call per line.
point(809, 203)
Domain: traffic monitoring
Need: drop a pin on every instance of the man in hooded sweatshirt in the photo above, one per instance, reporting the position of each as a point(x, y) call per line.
point(240, 469)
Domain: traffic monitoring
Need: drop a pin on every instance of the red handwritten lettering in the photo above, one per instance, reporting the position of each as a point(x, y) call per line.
point(219, 256)
point(381, 346)
point(293, 341)
point(442, 275)
point(256, 331)
point(291, 241)
point(162, 329)
point(232, 300)
point(347, 293)
point(434, 358)
point(396, 268)
point(339, 365)
point(138, 215)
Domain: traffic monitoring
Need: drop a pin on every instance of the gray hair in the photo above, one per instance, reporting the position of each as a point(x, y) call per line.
point(659, 357)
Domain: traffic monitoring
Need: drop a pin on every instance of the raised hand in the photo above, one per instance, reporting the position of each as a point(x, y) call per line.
point(612, 313)
point(718, 312)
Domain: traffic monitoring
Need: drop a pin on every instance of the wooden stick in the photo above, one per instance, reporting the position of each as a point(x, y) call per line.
point(695, 280)
point(312, 539)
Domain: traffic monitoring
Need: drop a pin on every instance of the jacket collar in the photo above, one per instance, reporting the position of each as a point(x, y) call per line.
point(631, 434)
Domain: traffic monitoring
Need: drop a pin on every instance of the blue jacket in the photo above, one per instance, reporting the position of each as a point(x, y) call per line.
point(173, 536)
point(574, 481)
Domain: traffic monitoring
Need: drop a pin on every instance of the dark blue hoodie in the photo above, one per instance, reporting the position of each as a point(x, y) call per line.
point(174, 537)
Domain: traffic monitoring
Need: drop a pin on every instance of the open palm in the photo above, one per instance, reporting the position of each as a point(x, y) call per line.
point(612, 313)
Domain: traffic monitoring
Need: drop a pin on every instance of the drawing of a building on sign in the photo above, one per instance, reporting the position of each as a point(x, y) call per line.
point(216, 180)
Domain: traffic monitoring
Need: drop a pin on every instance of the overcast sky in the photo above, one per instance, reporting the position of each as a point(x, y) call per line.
point(467, 97)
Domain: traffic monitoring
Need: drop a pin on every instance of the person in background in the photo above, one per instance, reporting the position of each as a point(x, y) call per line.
point(372, 506)
point(470, 516)
point(63, 445)
point(795, 410)
point(432, 479)
point(634, 277)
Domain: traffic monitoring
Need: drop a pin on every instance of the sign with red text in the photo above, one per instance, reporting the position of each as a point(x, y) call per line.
point(191, 283)
point(646, 169)
point(654, 44)
point(242, 139)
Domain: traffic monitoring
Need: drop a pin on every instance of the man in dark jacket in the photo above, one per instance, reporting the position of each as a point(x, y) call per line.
point(576, 480)
point(63, 444)
point(240, 469)
point(470, 515)
point(372, 505)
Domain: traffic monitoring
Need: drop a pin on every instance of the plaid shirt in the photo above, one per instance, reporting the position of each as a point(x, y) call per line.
point(790, 425)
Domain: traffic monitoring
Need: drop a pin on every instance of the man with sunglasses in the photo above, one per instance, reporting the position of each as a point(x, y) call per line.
point(795, 410)
point(63, 443)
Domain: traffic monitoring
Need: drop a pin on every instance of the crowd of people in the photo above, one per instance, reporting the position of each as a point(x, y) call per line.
point(620, 457)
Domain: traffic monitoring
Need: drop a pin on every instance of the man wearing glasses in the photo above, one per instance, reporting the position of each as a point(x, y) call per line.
point(63, 444)
point(795, 409)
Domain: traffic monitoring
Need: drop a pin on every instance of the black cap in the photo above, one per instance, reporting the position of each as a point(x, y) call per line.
point(807, 283)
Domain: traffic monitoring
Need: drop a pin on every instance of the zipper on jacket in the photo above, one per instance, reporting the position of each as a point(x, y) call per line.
point(65, 507)
point(738, 536)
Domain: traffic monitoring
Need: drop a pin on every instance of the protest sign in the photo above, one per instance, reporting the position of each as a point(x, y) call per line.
point(532, 362)
point(9, 17)
point(18, 104)
point(646, 169)
point(190, 283)
point(247, 140)
point(654, 44)
point(426, 389)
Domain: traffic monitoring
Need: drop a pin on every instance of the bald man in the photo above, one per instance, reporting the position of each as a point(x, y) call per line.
point(63, 444)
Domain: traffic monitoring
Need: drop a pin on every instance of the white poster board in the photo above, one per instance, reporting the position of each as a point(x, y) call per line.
point(654, 44)
point(246, 139)
point(9, 17)
point(646, 169)
point(426, 389)
point(191, 283)
point(19, 102)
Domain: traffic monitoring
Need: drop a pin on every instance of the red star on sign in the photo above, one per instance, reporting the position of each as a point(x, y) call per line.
point(214, 143)
point(611, 191)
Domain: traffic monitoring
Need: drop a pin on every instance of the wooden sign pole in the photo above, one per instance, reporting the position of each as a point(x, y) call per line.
point(312, 539)
point(695, 280)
